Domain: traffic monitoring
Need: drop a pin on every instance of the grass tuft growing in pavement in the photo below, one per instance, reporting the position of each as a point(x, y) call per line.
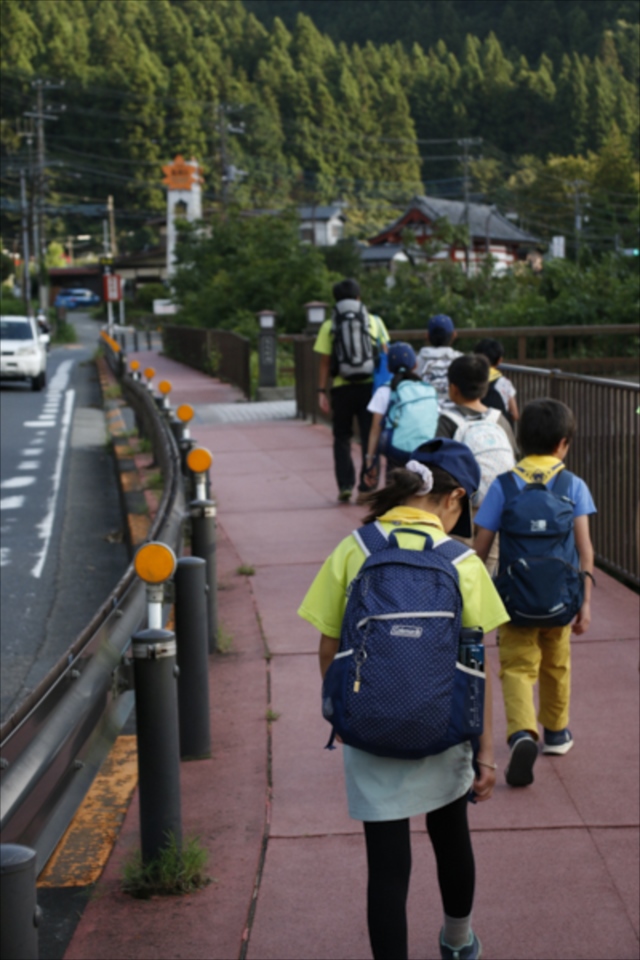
point(174, 872)
point(246, 570)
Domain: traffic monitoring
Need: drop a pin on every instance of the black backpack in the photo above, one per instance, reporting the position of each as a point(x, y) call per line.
point(493, 398)
point(353, 356)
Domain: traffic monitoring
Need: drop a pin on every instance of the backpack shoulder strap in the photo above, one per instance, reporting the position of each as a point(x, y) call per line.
point(370, 538)
point(457, 418)
point(452, 550)
point(493, 415)
point(509, 486)
point(562, 486)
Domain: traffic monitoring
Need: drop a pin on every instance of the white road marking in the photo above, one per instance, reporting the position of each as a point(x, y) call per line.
point(39, 423)
point(4, 556)
point(15, 482)
point(46, 527)
point(29, 465)
point(33, 451)
point(11, 503)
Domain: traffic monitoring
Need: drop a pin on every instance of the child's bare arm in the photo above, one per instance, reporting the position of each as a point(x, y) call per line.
point(585, 552)
point(482, 542)
point(513, 408)
point(328, 649)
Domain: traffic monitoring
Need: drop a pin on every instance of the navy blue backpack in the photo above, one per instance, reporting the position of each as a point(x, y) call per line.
point(539, 577)
point(395, 687)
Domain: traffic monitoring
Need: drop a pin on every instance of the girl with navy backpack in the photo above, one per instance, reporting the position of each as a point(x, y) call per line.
point(428, 496)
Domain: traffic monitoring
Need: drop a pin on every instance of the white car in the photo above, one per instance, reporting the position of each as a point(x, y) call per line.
point(23, 353)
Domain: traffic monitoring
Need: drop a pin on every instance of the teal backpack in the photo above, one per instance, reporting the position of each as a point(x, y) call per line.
point(411, 419)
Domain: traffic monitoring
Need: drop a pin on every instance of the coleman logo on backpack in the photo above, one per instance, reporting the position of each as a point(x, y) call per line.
point(396, 687)
point(352, 357)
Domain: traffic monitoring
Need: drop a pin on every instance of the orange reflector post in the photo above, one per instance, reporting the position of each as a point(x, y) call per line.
point(149, 373)
point(199, 460)
point(155, 562)
point(164, 387)
point(135, 364)
point(185, 412)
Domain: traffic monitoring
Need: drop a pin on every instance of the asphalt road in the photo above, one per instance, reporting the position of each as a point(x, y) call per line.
point(61, 547)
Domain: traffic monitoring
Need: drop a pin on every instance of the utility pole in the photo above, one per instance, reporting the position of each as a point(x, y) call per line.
point(41, 115)
point(577, 214)
point(26, 279)
point(112, 227)
point(229, 172)
point(465, 143)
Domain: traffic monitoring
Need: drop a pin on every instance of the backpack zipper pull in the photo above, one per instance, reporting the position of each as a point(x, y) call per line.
point(360, 657)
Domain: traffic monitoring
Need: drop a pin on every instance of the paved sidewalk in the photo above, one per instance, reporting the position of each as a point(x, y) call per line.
point(557, 863)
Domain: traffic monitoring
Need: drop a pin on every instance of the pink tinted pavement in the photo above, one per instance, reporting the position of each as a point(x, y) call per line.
point(557, 863)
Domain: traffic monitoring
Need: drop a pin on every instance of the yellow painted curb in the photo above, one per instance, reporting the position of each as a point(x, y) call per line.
point(83, 851)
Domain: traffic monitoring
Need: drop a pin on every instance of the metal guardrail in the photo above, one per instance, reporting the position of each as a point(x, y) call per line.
point(53, 745)
point(552, 345)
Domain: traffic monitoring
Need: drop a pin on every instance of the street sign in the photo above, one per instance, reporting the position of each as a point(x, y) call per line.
point(112, 287)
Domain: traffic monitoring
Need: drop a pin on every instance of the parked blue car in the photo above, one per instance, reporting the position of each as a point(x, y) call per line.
point(73, 297)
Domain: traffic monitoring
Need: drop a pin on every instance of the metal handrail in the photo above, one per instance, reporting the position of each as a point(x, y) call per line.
point(54, 743)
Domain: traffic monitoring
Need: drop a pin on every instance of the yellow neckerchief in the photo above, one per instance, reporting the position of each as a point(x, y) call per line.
point(494, 374)
point(410, 515)
point(538, 468)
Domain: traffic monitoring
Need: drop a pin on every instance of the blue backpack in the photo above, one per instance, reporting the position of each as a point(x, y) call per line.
point(539, 577)
point(411, 419)
point(395, 687)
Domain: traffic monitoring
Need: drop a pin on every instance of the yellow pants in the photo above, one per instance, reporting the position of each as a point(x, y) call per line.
point(529, 655)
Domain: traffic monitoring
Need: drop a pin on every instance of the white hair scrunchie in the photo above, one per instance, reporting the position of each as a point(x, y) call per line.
point(427, 477)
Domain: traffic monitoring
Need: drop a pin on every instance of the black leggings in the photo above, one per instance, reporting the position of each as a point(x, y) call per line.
point(389, 860)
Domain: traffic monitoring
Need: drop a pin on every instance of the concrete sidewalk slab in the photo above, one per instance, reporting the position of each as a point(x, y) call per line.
point(284, 630)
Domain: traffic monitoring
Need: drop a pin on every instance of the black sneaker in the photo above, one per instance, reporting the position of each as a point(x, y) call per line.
point(524, 753)
point(557, 742)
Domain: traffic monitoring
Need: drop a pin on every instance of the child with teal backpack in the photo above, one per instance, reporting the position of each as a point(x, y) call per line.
point(405, 413)
point(428, 498)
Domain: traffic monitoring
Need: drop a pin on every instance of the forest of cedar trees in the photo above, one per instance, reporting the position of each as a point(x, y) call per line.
point(307, 102)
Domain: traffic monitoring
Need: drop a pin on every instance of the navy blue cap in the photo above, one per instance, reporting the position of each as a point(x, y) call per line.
point(441, 322)
point(457, 460)
point(401, 355)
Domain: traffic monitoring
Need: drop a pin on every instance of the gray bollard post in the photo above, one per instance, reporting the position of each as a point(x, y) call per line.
point(155, 672)
point(148, 339)
point(192, 649)
point(136, 346)
point(18, 908)
point(203, 545)
point(177, 429)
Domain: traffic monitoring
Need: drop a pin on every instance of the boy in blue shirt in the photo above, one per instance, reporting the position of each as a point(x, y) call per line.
point(539, 654)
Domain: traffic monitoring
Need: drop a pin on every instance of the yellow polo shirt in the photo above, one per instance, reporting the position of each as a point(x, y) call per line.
point(325, 602)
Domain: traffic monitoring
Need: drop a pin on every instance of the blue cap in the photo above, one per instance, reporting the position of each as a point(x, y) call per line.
point(401, 355)
point(458, 461)
point(441, 322)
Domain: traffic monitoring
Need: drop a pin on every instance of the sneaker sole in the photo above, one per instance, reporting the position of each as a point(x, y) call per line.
point(557, 751)
point(519, 773)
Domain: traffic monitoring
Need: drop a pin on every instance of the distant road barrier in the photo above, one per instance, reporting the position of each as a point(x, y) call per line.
point(219, 353)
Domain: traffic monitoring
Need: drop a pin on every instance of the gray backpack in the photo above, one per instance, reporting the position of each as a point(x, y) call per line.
point(353, 355)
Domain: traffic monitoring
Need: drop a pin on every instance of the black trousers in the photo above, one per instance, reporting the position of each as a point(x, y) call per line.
point(347, 402)
point(389, 861)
